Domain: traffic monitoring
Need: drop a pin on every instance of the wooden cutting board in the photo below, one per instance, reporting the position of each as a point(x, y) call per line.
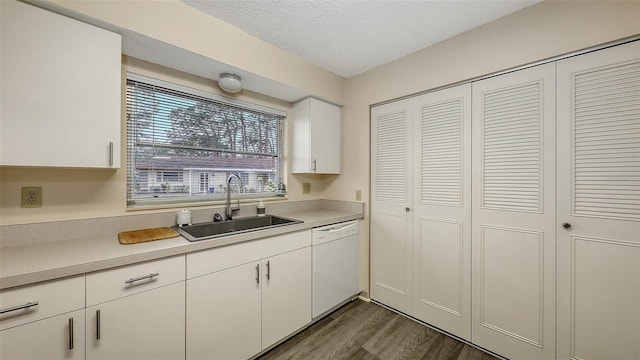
point(138, 236)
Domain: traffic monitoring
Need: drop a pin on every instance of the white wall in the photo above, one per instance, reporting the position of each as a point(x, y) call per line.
point(542, 31)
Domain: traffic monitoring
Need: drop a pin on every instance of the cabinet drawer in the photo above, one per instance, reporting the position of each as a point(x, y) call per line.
point(132, 279)
point(225, 257)
point(53, 298)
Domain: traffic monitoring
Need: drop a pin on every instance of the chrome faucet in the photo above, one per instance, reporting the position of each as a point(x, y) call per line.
point(229, 209)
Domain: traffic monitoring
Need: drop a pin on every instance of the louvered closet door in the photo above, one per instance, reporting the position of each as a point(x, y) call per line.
point(599, 197)
point(442, 216)
point(391, 199)
point(513, 239)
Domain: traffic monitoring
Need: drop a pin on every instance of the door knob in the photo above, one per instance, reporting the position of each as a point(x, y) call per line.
point(566, 225)
point(406, 209)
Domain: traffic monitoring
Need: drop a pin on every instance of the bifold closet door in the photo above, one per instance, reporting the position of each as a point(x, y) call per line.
point(599, 204)
point(442, 216)
point(391, 199)
point(513, 235)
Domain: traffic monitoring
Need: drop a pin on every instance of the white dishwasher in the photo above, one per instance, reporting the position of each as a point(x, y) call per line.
point(334, 250)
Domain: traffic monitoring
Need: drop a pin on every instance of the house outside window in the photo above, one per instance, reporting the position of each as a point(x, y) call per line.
point(182, 144)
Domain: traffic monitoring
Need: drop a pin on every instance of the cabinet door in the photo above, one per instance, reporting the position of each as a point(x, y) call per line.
point(391, 201)
point(514, 218)
point(326, 139)
point(148, 325)
point(286, 294)
point(223, 314)
point(58, 337)
point(442, 216)
point(60, 90)
point(599, 199)
point(317, 139)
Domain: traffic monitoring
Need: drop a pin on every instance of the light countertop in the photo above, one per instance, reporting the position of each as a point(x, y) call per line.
point(22, 265)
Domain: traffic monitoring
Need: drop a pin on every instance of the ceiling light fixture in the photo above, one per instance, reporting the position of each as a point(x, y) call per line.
point(230, 83)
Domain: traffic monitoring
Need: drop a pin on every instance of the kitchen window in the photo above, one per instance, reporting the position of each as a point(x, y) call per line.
point(183, 143)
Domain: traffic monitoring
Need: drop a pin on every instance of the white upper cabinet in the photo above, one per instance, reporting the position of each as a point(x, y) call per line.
point(60, 90)
point(316, 137)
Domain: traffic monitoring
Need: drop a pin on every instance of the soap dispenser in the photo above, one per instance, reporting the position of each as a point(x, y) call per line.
point(261, 209)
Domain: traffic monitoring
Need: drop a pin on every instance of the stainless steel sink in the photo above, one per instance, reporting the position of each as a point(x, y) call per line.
point(212, 230)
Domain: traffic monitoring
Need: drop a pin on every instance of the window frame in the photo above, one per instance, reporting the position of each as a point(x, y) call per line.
point(209, 197)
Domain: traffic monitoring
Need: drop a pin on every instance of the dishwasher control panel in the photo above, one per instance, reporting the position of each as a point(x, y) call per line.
point(333, 232)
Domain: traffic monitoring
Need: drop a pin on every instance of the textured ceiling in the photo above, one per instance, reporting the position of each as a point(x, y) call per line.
point(348, 37)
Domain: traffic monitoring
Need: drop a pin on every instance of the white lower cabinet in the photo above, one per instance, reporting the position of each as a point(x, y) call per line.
point(43, 321)
point(58, 337)
point(242, 299)
point(238, 301)
point(286, 295)
point(137, 311)
point(149, 325)
point(223, 314)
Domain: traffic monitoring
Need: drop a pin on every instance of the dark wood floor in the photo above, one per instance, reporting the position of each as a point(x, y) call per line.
point(362, 330)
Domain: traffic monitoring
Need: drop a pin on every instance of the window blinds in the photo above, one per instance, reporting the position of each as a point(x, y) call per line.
point(182, 146)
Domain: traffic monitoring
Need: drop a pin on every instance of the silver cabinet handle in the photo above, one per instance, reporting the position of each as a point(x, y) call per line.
point(19, 307)
point(70, 333)
point(258, 274)
point(97, 324)
point(150, 277)
point(110, 153)
point(268, 271)
point(314, 164)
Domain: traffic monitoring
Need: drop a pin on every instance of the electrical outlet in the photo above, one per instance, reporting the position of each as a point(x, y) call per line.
point(306, 188)
point(32, 197)
point(358, 195)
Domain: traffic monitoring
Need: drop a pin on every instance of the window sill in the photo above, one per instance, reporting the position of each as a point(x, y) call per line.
point(175, 204)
